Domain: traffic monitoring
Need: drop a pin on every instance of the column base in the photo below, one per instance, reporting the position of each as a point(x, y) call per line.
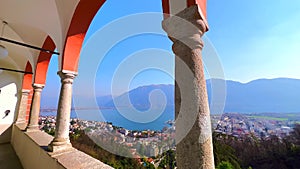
point(22, 126)
point(20, 121)
point(32, 128)
point(59, 147)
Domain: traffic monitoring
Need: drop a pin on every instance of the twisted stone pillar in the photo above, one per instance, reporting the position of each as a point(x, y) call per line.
point(35, 108)
point(23, 107)
point(61, 141)
point(194, 148)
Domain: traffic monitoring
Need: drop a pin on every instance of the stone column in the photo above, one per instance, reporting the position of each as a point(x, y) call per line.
point(35, 108)
point(194, 148)
point(23, 107)
point(61, 141)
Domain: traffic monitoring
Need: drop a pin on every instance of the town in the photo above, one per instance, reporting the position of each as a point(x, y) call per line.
point(151, 143)
point(239, 125)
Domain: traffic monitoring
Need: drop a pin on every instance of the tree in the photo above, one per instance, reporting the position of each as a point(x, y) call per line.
point(223, 151)
point(84, 143)
point(224, 165)
point(168, 161)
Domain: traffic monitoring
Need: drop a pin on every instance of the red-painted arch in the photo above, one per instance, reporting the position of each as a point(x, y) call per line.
point(166, 7)
point(190, 3)
point(83, 16)
point(27, 85)
point(202, 5)
point(43, 62)
point(27, 78)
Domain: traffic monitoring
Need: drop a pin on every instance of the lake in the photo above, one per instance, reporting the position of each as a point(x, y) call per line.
point(117, 119)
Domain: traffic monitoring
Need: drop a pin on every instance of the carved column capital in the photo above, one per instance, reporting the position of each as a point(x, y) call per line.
point(38, 87)
point(67, 76)
point(25, 91)
point(186, 28)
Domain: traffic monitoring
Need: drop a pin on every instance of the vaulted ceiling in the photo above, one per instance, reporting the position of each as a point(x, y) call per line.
point(30, 22)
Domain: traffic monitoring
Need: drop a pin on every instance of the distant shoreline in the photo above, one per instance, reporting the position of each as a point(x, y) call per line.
point(92, 108)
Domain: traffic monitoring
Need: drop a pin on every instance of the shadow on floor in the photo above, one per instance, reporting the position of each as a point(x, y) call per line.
point(8, 158)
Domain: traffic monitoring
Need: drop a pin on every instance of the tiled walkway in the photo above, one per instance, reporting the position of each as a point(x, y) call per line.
point(8, 158)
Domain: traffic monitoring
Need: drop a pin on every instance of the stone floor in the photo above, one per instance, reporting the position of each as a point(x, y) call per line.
point(8, 158)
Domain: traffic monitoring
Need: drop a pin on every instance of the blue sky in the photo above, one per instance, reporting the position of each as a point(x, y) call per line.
point(253, 39)
point(256, 39)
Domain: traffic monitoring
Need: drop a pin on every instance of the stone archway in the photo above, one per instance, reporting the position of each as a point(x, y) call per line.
point(39, 82)
point(197, 146)
point(26, 96)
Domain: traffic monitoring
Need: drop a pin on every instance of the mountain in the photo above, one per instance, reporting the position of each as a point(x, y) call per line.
point(50, 102)
point(139, 97)
point(104, 100)
point(262, 95)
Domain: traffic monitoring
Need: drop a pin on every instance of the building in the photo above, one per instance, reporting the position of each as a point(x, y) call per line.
point(55, 27)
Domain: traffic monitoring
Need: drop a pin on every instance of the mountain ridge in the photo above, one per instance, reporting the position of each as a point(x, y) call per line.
point(256, 96)
point(260, 95)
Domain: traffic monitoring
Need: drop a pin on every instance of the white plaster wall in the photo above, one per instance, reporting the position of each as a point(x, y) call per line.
point(8, 101)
